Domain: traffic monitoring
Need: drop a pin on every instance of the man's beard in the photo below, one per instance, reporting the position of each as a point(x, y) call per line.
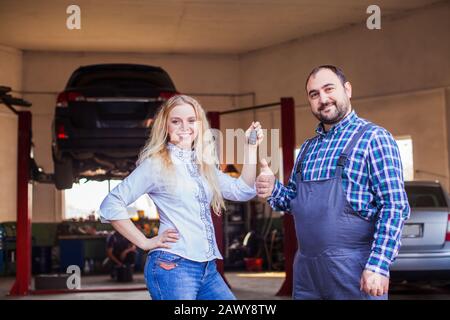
point(337, 112)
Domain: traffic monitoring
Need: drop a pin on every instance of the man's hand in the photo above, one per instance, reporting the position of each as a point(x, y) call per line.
point(373, 283)
point(265, 182)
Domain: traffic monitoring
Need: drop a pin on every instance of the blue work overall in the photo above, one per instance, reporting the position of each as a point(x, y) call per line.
point(334, 242)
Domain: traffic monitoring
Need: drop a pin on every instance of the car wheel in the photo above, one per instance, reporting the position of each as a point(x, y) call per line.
point(63, 174)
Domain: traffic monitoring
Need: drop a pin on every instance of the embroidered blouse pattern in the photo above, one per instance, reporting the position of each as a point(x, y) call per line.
point(189, 159)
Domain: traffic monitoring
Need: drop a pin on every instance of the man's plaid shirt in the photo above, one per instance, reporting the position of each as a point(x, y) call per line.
point(372, 179)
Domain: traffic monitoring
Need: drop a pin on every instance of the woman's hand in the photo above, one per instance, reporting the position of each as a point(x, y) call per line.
point(259, 134)
point(161, 240)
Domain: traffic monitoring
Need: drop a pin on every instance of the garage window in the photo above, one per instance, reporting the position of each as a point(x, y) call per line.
point(405, 146)
point(84, 199)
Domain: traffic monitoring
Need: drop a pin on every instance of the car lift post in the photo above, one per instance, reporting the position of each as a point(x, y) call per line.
point(288, 144)
point(24, 202)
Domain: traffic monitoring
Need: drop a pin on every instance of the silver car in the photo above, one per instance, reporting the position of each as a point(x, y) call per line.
point(425, 250)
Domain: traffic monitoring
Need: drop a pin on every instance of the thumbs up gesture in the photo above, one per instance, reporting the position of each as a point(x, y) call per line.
point(265, 182)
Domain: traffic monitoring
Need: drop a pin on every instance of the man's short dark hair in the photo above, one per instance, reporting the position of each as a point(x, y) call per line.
point(337, 71)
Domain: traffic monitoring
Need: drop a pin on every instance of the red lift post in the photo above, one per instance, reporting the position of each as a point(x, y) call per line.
point(24, 202)
point(288, 144)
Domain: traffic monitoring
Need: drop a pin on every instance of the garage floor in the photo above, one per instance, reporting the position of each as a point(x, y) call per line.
point(246, 286)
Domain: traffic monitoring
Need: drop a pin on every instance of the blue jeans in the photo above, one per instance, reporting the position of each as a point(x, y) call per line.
point(171, 277)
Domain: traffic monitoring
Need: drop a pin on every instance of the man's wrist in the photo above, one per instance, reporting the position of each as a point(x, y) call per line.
point(377, 269)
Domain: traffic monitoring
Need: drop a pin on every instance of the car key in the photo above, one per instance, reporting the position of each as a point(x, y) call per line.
point(253, 137)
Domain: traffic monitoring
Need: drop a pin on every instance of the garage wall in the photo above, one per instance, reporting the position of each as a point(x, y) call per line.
point(46, 73)
point(11, 76)
point(390, 70)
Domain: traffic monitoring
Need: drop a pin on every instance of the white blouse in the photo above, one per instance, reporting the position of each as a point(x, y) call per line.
point(183, 200)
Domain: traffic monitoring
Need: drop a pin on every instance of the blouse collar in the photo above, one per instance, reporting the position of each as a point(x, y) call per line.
point(182, 154)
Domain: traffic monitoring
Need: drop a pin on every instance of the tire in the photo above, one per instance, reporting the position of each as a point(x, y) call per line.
point(63, 174)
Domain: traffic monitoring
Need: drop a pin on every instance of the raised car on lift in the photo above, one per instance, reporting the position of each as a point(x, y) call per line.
point(102, 120)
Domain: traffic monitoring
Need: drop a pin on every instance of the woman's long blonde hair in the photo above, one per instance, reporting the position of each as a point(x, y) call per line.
point(156, 145)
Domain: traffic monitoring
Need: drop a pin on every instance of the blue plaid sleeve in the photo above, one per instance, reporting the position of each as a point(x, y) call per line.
point(386, 180)
point(280, 199)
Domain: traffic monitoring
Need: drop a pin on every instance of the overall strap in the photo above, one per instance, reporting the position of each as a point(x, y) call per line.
point(298, 168)
point(349, 148)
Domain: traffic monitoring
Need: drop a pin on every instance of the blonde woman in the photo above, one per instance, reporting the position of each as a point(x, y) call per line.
point(177, 168)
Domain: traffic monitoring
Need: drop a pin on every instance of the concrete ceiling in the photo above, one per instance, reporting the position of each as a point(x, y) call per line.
point(180, 26)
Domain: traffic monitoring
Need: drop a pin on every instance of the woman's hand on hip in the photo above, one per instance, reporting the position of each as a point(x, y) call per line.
point(162, 240)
